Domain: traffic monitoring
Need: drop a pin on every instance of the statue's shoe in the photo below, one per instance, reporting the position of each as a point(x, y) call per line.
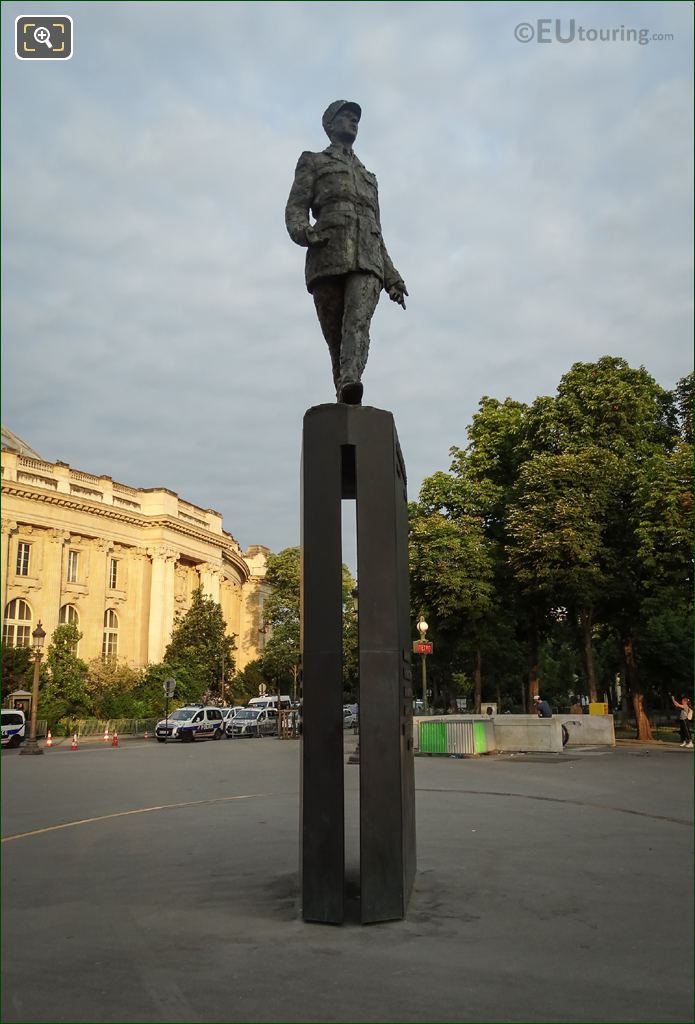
point(351, 392)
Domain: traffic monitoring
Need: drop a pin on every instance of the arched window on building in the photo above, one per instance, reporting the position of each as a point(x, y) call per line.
point(16, 626)
point(69, 616)
point(109, 649)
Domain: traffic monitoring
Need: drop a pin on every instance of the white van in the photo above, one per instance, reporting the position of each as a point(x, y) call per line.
point(270, 701)
point(14, 727)
point(193, 722)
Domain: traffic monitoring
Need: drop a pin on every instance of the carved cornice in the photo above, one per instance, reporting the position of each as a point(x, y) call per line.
point(9, 526)
point(131, 518)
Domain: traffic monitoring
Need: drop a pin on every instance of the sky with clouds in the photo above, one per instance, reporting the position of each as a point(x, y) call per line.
point(536, 197)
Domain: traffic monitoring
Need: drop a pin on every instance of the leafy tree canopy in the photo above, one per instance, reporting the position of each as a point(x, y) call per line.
point(281, 653)
point(200, 649)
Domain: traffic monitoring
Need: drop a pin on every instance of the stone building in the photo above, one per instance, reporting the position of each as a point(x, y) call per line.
point(118, 561)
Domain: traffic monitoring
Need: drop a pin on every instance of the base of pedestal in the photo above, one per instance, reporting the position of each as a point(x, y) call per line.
point(31, 747)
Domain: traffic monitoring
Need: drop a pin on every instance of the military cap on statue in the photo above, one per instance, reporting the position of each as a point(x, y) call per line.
point(333, 109)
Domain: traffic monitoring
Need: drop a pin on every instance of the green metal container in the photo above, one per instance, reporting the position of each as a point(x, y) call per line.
point(479, 737)
point(433, 738)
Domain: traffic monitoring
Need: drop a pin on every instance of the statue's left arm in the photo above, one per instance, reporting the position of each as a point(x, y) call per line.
point(393, 282)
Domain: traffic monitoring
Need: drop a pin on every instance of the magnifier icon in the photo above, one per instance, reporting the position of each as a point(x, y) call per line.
point(42, 35)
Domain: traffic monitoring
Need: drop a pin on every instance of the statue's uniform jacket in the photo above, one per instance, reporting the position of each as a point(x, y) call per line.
point(343, 197)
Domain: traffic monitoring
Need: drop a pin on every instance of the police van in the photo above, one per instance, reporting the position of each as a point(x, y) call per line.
point(13, 727)
point(270, 701)
point(195, 722)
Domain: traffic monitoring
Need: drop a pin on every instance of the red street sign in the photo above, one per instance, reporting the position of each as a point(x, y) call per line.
point(423, 647)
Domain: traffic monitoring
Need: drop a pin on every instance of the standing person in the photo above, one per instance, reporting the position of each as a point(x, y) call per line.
point(685, 719)
point(542, 707)
point(347, 264)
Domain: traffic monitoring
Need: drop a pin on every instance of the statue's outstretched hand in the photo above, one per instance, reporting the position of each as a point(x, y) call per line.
point(397, 293)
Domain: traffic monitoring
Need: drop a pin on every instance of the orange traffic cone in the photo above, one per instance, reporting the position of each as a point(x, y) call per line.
point(114, 741)
point(106, 734)
point(147, 735)
point(73, 745)
point(49, 739)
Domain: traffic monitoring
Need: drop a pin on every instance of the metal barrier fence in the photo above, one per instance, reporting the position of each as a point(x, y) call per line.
point(123, 726)
point(288, 724)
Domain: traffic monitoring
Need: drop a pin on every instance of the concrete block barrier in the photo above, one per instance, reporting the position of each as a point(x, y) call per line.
point(588, 730)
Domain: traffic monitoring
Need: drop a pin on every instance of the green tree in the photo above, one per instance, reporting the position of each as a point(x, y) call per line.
point(65, 692)
point(664, 530)
point(609, 404)
point(502, 437)
point(451, 577)
point(482, 635)
point(110, 685)
point(622, 412)
point(683, 399)
point(246, 684)
point(200, 650)
point(281, 611)
point(557, 528)
point(281, 654)
point(17, 669)
point(579, 504)
point(147, 695)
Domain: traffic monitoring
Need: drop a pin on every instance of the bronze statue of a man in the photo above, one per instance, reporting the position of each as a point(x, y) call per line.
point(347, 264)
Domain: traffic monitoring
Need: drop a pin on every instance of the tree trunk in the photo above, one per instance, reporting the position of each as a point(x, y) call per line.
point(644, 729)
point(533, 658)
point(477, 682)
point(586, 620)
point(498, 694)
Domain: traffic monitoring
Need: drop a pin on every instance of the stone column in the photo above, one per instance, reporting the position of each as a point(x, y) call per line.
point(161, 600)
point(8, 528)
point(138, 598)
point(93, 630)
point(52, 579)
point(210, 576)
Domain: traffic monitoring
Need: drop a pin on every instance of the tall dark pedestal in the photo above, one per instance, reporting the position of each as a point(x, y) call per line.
point(353, 452)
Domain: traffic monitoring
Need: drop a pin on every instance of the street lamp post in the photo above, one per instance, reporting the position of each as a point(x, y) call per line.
point(422, 627)
point(31, 746)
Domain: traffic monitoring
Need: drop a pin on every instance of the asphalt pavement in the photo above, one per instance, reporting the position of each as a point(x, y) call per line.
point(549, 888)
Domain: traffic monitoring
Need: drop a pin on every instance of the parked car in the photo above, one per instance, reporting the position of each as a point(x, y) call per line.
point(256, 722)
point(227, 715)
point(351, 714)
point(191, 723)
point(13, 727)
